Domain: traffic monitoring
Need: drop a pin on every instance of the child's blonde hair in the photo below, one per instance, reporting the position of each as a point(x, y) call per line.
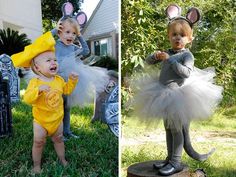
point(180, 25)
point(73, 22)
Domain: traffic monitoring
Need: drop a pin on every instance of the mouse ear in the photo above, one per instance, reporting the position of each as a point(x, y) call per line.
point(67, 9)
point(81, 17)
point(173, 11)
point(193, 15)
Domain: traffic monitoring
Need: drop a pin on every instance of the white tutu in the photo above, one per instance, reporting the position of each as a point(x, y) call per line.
point(91, 79)
point(195, 99)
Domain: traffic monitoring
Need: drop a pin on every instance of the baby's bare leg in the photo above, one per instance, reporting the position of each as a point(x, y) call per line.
point(59, 145)
point(39, 140)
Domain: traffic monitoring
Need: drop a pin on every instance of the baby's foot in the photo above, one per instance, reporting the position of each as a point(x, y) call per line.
point(64, 162)
point(37, 169)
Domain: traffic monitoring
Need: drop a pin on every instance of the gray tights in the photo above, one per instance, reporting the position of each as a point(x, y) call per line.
point(175, 143)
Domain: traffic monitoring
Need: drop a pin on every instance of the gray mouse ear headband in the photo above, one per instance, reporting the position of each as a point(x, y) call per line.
point(67, 11)
point(173, 12)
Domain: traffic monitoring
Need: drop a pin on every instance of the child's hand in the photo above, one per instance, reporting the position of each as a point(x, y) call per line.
point(44, 88)
point(161, 55)
point(73, 76)
point(59, 26)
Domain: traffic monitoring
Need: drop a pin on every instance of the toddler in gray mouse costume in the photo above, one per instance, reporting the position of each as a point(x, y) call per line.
point(180, 93)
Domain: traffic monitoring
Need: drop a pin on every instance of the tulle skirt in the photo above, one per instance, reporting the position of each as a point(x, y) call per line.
point(195, 99)
point(92, 80)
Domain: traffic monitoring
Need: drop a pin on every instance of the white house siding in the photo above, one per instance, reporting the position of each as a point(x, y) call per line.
point(22, 15)
point(104, 24)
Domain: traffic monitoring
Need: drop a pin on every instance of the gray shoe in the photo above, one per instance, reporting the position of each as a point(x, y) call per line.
point(161, 164)
point(71, 135)
point(170, 169)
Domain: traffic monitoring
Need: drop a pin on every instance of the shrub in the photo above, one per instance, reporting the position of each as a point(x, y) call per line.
point(12, 42)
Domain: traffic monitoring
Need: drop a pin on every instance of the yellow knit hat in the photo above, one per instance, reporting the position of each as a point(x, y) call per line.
point(42, 44)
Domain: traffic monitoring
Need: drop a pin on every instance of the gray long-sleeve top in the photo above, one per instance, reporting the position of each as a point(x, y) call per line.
point(175, 69)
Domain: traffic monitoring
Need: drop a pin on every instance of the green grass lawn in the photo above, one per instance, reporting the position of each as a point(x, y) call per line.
point(140, 143)
point(94, 154)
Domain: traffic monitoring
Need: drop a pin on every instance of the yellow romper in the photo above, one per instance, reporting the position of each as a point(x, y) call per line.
point(48, 106)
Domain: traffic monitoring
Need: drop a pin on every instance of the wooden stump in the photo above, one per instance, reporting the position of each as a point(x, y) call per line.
point(145, 169)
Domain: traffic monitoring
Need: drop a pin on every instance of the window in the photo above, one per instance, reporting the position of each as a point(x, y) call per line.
point(102, 47)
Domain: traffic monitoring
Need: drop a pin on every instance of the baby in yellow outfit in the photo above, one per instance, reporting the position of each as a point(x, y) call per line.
point(46, 99)
point(44, 93)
